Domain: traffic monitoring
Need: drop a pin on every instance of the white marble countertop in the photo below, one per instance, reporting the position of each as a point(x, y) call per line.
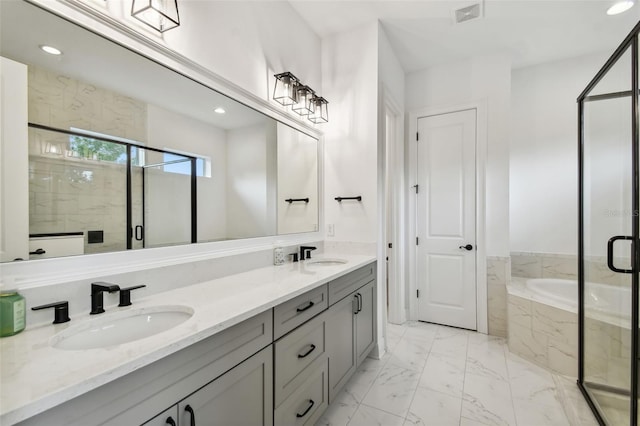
point(35, 376)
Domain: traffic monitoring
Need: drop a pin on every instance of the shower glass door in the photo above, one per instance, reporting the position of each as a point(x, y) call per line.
point(162, 198)
point(609, 224)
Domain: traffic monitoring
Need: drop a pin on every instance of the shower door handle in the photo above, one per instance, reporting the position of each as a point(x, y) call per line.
point(610, 244)
point(139, 233)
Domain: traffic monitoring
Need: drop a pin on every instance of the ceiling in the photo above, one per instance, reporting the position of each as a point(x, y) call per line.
point(423, 33)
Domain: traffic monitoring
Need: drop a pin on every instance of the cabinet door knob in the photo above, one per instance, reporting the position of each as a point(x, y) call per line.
point(308, 306)
point(170, 421)
point(307, 410)
point(306, 354)
point(189, 410)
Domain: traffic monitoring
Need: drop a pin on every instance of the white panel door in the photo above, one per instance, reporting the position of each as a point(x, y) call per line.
point(446, 255)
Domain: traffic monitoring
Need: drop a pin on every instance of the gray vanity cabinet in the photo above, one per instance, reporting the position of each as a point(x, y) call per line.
point(351, 326)
point(341, 326)
point(242, 396)
point(365, 321)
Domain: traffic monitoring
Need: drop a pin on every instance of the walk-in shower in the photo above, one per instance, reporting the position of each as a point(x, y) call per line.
point(121, 194)
point(609, 239)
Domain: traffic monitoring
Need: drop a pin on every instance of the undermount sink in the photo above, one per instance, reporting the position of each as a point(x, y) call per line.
point(121, 327)
point(325, 262)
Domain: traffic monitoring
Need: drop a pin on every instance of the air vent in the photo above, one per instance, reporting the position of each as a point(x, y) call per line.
point(468, 13)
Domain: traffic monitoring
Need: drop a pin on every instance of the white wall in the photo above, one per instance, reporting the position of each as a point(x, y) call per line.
point(251, 182)
point(297, 178)
point(350, 83)
point(544, 154)
point(482, 79)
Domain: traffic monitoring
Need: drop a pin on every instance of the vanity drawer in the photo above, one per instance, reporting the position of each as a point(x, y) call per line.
point(344, 286)
point(298, 310)
point(307, 404)
point(294, 353)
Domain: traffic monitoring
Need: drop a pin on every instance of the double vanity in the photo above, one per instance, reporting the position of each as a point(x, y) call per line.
point(273, 345)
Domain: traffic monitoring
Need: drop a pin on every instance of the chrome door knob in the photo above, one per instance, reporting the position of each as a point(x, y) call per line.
point(468, 247)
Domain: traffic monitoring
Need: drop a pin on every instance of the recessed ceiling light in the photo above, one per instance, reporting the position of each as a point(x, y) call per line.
point(620, 7)
point(219, 110)
point(51, 50)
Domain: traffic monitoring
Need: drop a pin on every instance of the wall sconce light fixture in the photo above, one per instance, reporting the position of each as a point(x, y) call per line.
point(289, 90)
point(285, 91)
point(304, 104)
point(320, 113)
point(161, 15)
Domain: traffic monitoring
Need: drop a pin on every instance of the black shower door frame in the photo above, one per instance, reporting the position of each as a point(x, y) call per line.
point(630, 42)
point(129, 171)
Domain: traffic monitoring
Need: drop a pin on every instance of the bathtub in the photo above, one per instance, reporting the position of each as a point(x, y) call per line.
point(542, 319)
point(603, 300)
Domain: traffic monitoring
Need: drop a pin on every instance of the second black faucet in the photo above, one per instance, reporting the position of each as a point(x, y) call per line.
point(97, 301)
point(305, 252)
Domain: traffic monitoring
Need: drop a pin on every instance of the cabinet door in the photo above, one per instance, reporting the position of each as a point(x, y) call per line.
point(341, 343)
point(365, 321)
point(242, 396)
point(166, 418)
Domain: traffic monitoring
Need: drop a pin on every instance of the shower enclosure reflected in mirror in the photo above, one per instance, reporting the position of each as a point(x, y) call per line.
point(124, 153)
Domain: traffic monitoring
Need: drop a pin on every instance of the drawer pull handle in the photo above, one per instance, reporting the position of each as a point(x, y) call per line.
point(298, 415)
point(309, 306)
point(170, 421)
point(311, 349)
point(189, 410)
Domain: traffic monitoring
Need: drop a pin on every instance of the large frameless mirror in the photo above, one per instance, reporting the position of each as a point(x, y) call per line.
point(120, 152)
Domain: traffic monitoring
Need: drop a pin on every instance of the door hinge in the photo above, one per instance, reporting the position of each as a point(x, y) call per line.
point(417, 136)
point(417, 241)
point(417, 293)
point(390, 245)
point(417, 187)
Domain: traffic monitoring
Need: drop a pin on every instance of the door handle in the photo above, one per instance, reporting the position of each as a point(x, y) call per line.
point(189, 410)
point(298, 415)
point(170, 421)
point(306, 354)
point(359, 296)
point(468, 247)
point(357, 302)
point(139, 233)
point(308, 306)
point(610, 244)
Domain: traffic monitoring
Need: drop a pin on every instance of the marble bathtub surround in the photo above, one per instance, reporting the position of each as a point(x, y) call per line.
point(464, 378)
point(540, 333)
point(498, 276)
point(41, 377)
point(544, 265)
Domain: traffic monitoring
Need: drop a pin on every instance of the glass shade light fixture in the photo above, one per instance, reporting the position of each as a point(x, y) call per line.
point(285, 91)
point(289, 90)
point(161, 15)
point(304, 97)
point(320, 113)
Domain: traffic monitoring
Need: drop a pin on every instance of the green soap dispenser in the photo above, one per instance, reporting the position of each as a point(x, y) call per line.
point(13, 312)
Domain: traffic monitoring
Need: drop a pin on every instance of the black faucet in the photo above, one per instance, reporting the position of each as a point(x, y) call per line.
point(97, 301)
point(303, 252)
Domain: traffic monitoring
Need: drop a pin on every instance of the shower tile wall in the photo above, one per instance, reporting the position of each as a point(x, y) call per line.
point(498, 274)
point(76, 194)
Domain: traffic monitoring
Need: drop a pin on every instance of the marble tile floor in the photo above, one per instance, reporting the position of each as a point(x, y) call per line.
point(441, 376)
